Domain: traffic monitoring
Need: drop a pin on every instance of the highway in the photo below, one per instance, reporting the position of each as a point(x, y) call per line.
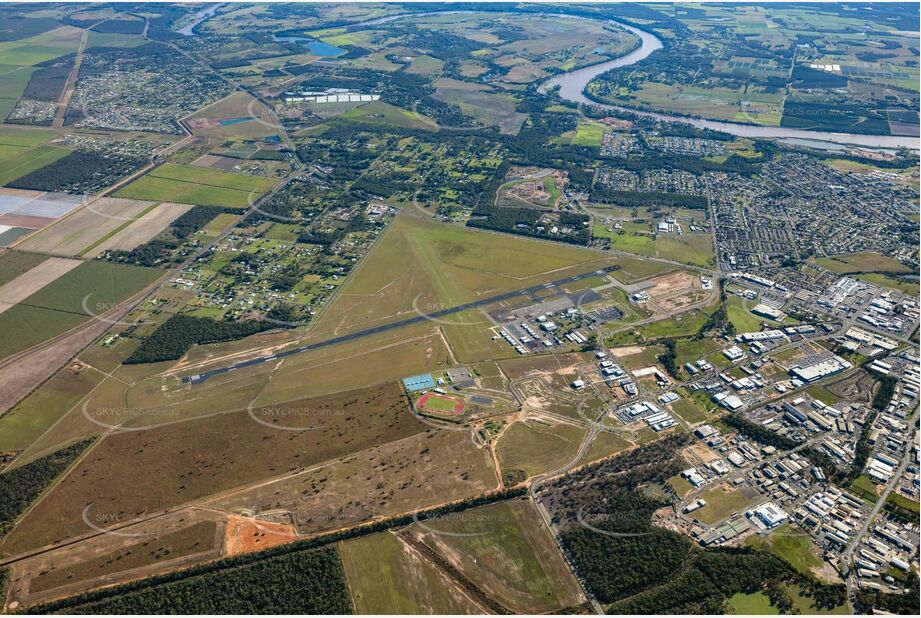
point(201, 377)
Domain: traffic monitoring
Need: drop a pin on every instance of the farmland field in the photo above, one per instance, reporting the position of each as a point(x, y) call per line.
point(29, 161)
point(34, 280)
point(188, 184)
point(479, 102)
point(90, 289)
point(15, 263)
point(72, 234)
point(130, 234)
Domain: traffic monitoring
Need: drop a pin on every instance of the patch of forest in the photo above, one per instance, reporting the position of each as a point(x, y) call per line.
point(605, 526)
point(21, 486)
point(180, 332)
point(79, 172)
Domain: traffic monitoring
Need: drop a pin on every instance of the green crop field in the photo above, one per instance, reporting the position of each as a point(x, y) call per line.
point(13, 80)
point(15, 263)
point(212, 178)
point(28, 161)
point(32, 325)
point(588, 133)
point(90, 289)
point(22, 137)
point(188, 184)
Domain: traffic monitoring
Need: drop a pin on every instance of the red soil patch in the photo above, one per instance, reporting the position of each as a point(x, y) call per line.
point(243, 535)
point(29, 221)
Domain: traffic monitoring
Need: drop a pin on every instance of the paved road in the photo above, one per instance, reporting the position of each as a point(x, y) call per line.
point(880, 503)
point(201, 377)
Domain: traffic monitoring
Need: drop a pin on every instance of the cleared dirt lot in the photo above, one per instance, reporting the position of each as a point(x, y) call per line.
point(244, 534)
point(33, 280)
point(142, 230)
point(74, 233)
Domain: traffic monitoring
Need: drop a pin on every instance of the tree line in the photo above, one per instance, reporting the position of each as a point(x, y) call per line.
point(274, 568)
point(21, 486)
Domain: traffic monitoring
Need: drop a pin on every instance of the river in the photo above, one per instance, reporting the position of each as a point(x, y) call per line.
point(199, 17)
point(572, 88)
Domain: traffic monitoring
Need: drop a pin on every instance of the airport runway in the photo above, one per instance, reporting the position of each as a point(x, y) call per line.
point(198, 378)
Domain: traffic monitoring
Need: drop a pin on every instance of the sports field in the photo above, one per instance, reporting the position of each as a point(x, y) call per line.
point(188, 184)
point(441, 406)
